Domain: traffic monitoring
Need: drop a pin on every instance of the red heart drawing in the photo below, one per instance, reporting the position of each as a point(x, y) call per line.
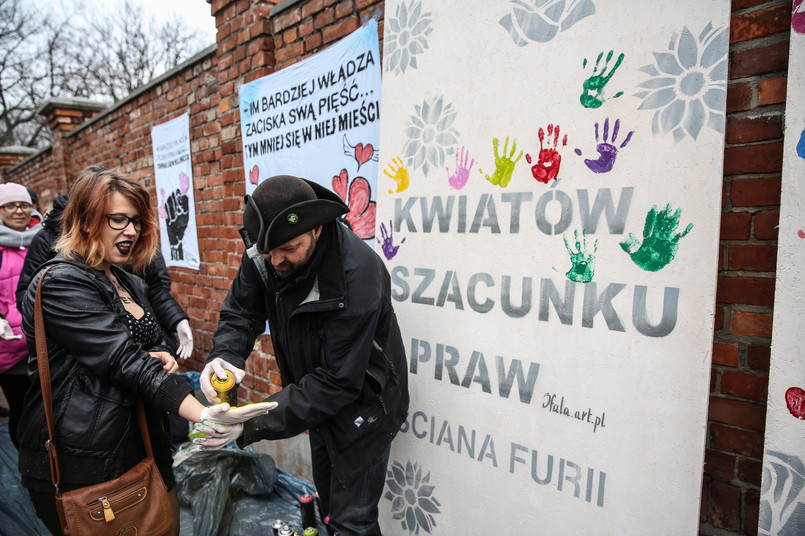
point(795, 400)
point(254, 175)
point(362, 210)
point(363, 153)
point(340, 183)
point(801, 233)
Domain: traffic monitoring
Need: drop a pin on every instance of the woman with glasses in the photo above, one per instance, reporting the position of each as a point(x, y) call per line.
point(105, 350)
point(18, 225)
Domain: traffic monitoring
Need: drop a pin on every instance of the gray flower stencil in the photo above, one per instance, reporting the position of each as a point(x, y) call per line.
point(430, 134)
point(406, 39)
point(411, 496)
point(782, 499)
point(541, 20)
point(688, 84)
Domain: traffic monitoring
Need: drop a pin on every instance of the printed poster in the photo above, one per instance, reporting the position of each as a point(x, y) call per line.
point(320, 119)
point(549, 212)
point(782, 499)
point(173, 176)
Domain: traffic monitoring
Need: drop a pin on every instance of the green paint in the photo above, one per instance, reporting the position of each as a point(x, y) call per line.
point(583, 268)
point(504, 165)
point(660, 240)
point(594, 86)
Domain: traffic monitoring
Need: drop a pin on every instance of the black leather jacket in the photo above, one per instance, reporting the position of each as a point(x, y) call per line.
point(96, 370)
point(337, 344)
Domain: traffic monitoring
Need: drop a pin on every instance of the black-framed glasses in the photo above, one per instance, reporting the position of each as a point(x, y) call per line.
point(14, 207)
point(118, 222)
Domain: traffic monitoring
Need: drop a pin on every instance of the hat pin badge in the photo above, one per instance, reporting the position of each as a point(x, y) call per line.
point(292, 218)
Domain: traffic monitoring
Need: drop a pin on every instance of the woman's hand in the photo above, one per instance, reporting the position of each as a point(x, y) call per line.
point(169, 364)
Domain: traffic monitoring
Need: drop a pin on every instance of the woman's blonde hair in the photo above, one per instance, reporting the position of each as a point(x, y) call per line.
point(85, 215)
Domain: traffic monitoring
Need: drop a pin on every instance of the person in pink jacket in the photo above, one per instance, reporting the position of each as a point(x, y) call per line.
point(19, 222)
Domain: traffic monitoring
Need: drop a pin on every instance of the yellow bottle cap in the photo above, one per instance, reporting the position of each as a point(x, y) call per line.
point(222, 385)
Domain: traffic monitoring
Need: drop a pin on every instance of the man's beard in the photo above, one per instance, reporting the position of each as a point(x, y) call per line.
point(286, 269)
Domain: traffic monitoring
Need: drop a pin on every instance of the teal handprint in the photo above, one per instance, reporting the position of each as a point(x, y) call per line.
point(504, 165)
point(583, 268)
point(660, 239)
point(594, 86)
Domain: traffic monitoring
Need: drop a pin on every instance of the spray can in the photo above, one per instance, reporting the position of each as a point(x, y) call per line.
point(227, 390)
point(276, 526)
point(310, 531)
point(286, 531)
point(308, 510)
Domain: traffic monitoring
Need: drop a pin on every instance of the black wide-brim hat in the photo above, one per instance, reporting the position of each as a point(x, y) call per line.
point(283, 207)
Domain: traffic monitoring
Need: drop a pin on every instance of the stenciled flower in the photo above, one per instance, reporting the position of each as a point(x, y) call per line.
point(409, 29)
point(688, 84)
point(411, 497)
point(781, 494)
point(430, 133)
point(541, 20)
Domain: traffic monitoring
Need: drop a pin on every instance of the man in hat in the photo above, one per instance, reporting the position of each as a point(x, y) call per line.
point(327, 299)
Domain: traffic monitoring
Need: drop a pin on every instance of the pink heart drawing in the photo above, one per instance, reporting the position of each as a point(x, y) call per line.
point(254, 175)
point(184, 183)
point(795, 400)
point(363, 153)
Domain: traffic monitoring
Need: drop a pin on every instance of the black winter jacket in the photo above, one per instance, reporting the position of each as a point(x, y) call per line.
point(97, 371)
point(166, 308)
point(337, 344)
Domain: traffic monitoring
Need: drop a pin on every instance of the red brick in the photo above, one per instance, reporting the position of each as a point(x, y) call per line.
point(760, 60)
point(739, 96)
point(744, 385)
point(757, 258)
point(755, 192)
point(718, 318)
point(748, 415)
point(757, 324)
point(749, 129)
point(750, 470)
point(755, 24)
point(745, 290)
point(761, 158)
point(729, 439)
point(725, 505)
point(751, 512)
point(735, 225)
point(758, 357)
point(771, 91)
point(719, 464)
point(766, 225)
point(725, 353)
point(340, 29)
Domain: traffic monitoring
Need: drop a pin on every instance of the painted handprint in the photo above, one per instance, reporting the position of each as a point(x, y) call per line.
point(175, 210)
point(547, 167)
point(399, 174)
point(583, 263)
point(361, 215)
point(592, 96)
point(387, 242)
point(504, 165)
point(459, 178)
point(660, 239)
point(607, 151)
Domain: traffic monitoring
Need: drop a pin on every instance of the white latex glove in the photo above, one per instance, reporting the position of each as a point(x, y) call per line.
point(169, 364)
point(6, 332)
point(218, 366)
point(224, 414)
point(185, 337)
point(217, 435)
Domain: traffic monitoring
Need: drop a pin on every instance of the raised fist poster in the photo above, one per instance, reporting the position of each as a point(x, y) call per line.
point(173, 177)
point(549, 212)
point(319, 119)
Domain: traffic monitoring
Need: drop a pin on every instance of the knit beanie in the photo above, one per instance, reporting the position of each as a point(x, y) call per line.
point(12, 192)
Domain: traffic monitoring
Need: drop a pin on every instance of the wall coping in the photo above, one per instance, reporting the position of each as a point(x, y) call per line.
point(17, 149)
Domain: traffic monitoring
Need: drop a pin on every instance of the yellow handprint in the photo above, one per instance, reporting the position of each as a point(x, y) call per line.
point(399, 174)
point(504, 165)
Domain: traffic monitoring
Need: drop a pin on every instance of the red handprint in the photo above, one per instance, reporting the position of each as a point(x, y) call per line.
point(362, 210)
point(547, 168)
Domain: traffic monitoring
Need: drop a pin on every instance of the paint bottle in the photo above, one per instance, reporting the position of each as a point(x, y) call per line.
point(310, 531)
point(276, 526)
point(308, 510)
point(226, 390)
point(286, 531)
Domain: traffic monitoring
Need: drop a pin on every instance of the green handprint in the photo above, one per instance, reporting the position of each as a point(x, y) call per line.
point(583, 268)
point(504, 165)
point(594, 86)
point(660, 244)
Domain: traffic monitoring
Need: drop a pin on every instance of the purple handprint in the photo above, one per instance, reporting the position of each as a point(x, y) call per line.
point(459, 179)
point(387, 244)
point(607, 151)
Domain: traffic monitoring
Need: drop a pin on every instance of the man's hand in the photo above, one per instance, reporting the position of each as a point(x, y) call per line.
point(224, 414)
point(217, 435)
point(185, 337)
point(169, 364)
point(218, 366)
point(6, 332)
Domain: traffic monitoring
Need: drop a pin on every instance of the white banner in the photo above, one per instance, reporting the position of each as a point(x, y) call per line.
point(553, 255)
point(320, 119)
point(173, 177)
point(782, 500)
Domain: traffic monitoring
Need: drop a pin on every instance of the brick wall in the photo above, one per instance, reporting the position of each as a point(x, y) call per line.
point(256, 37)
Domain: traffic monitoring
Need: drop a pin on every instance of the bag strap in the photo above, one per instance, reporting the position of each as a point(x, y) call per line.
point(43, 364)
